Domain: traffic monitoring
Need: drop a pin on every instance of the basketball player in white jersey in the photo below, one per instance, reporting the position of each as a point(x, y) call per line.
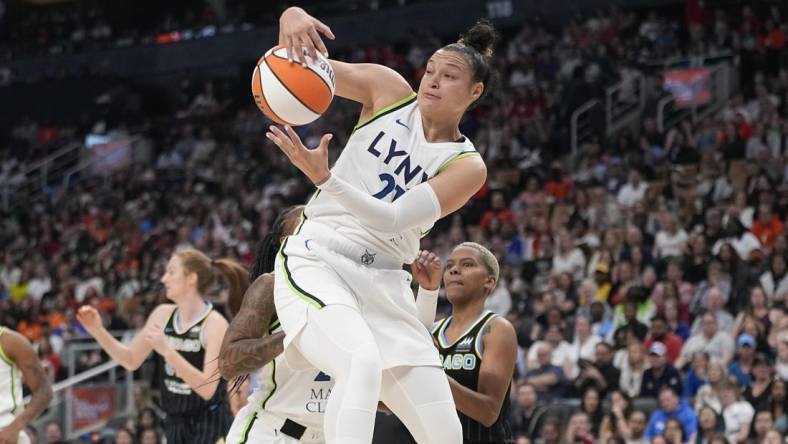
point(288, 405)
point(19, 361)
point(342, 298)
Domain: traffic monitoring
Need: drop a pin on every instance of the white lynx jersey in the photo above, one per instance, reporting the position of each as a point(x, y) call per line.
point(385, 157)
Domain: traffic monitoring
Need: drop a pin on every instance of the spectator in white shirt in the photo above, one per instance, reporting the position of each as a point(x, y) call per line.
point(715, 301)
point(775, 280)
point(716, 343)
point(633, 191)
point(671, 239)
point(632, 369)
point(584, 342)
point(562, 355)
point(569, 258)
point(40, 284)
point(737, 413)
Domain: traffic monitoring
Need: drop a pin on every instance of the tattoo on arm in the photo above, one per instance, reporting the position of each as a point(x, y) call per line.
point(246, 347)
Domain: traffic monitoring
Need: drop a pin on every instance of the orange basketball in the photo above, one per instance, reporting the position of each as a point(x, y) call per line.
point(290, 93)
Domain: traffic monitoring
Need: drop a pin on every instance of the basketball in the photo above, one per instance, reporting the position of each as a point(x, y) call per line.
point(289, 92)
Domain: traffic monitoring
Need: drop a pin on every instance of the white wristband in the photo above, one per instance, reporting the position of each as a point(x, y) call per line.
point(427, 303)
point(424, 293)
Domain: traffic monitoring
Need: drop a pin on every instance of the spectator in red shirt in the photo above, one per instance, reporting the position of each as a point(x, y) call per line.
point(498, 210)
point(558, 186)
point(767, 227)
point(661, 333)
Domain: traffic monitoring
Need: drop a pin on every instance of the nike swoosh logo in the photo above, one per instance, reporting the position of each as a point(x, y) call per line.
point(400, 123)
point(306, 244)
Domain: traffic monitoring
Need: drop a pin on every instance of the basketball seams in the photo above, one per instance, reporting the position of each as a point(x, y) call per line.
point(303, 83)
point(319, 75)
point(265, 106)
point(285, 86)
point(293, 111)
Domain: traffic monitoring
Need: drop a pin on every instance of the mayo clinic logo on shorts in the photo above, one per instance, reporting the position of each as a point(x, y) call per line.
point(367, 258)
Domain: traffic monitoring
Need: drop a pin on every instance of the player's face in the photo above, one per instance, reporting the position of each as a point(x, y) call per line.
point(447, 87)
point(176, 279)
point(465, 276)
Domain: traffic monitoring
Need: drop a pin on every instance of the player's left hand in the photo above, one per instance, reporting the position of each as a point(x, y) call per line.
point(154, 336)
point(312, 162)
point(9, 434)
point(427, 270)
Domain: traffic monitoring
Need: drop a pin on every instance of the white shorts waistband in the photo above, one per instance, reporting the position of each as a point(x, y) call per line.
point(323, 236)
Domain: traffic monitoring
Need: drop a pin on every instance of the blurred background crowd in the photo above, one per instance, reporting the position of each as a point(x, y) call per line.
point(646, 273)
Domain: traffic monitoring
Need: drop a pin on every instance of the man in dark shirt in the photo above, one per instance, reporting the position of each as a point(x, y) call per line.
point(633, 325)
point(661, 374)
point(548, 379)
point(601, 374)
point(529, 413)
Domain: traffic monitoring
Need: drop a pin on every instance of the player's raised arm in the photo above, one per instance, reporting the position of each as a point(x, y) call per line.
point(247, 346)
point(129, 356)
point(17, 348)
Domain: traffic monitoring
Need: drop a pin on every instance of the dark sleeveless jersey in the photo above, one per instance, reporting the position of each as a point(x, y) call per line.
point(462, 360)
point(177, 397)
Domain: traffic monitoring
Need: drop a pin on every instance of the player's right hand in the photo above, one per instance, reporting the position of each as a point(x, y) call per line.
point(298, 31)
point(427, 270)
point(90, 318)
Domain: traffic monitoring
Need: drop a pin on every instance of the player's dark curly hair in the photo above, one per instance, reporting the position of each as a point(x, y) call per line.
point(265, 256)
point(269, 246)
point(476, 46)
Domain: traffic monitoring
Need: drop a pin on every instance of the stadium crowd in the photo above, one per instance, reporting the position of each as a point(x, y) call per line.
point(646, 275)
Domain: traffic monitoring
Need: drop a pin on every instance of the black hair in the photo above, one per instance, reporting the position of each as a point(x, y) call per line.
point(267, 248)
point(476, 46)
point(659, 317)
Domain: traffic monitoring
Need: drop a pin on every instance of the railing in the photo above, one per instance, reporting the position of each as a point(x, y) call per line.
point(624, 103)
point(580, 124)
point(62, 169)
point(40, 176)
point(85, 402)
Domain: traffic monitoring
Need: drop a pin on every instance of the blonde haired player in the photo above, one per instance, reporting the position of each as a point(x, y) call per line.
point(341, 295)
point(18, 360)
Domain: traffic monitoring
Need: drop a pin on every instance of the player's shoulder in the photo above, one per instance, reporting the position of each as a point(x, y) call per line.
point(12, 342)
point(395, 109)
point(263, 282)
point(162, 312)
point(500, 326)
point(216, 320)
point(260, 292)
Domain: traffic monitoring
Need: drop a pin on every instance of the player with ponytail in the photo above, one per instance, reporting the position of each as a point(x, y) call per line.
point(344, 302)
point(186, 336)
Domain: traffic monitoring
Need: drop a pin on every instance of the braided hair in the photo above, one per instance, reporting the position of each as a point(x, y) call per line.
point(265, 255)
